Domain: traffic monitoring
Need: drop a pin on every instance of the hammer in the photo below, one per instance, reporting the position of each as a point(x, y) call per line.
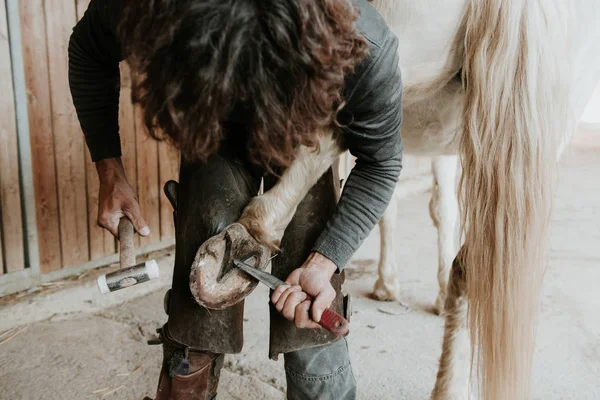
point(129, 274)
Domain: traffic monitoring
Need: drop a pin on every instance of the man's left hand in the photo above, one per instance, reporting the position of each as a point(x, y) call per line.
point(312, 278)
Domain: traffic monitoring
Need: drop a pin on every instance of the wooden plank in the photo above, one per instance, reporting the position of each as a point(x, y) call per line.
point(68, 138)
point(101, 241)
point(127, 127)
point(147, 179)
point(11, 222)
point(1, 255)
point(127, 130)
point(35, 59)
point(168, 161)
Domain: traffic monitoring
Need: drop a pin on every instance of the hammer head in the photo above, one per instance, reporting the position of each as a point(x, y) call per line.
point(128, 277)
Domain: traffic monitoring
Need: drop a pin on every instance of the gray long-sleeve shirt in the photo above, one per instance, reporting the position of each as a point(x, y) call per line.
point(373, 96)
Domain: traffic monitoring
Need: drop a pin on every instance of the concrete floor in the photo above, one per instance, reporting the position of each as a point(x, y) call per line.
point(72, 344)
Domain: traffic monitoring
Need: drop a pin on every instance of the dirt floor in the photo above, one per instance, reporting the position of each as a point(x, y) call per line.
point(74, 344)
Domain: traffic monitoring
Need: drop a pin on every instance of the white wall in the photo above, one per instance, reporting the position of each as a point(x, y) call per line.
point(591, 115)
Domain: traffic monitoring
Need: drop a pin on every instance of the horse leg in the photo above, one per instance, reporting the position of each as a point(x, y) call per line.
point(443, 209)
point(386, 287)
point(452, 382)
point(267, 216)
point(214, 282)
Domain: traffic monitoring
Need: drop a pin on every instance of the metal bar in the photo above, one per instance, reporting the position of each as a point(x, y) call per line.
point(32, 257)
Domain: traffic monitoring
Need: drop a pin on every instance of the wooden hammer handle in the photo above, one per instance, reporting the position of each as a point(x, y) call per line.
point(127, 252)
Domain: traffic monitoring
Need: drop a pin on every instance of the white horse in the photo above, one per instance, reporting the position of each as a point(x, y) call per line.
point(498, 84)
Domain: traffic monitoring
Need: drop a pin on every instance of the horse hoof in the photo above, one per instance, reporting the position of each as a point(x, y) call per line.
point(215, 282)
point(385, 292)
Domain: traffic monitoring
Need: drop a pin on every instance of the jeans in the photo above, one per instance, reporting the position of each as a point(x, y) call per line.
point(322, 373)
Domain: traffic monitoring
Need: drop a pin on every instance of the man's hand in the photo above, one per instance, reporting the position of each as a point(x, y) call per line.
point(117, 198)
point(313, 279)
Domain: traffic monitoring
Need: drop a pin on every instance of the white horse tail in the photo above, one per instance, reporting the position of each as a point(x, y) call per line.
point(515, 108)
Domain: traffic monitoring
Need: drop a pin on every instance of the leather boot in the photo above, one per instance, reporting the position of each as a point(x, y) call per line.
point(187, 374)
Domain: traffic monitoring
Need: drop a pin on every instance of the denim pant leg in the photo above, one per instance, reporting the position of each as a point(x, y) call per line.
point(322, 373)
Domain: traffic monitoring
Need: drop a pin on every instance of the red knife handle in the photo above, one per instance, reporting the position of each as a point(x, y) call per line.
point(334, 322)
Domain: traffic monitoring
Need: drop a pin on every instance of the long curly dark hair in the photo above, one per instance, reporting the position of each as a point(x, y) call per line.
point(275, 66)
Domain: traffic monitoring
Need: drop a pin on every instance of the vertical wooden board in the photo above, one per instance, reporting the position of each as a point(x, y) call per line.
point(127, 127)
point(101, 241)
point(147, 179)
point(11, 222)
point(127, 130)
point(168, 161)
point(68, 138)
point(35, 59)
point(1, 255)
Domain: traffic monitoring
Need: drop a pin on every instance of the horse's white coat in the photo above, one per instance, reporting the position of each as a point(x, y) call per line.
point(443, 209)
point(270, 213)
point(429, 33)
point(431, 36)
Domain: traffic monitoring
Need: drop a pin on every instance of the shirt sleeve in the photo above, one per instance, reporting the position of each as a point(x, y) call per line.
point(94, 77)
point(373, 137)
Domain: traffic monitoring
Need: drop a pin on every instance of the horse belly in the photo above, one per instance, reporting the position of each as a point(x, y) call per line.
point(429, 36)
point(431, 127)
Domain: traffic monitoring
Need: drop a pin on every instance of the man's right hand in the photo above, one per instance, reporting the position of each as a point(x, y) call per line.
point(117, 198)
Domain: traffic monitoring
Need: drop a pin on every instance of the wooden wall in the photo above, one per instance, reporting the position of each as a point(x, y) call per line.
point(65, 180)
point(12, 255)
